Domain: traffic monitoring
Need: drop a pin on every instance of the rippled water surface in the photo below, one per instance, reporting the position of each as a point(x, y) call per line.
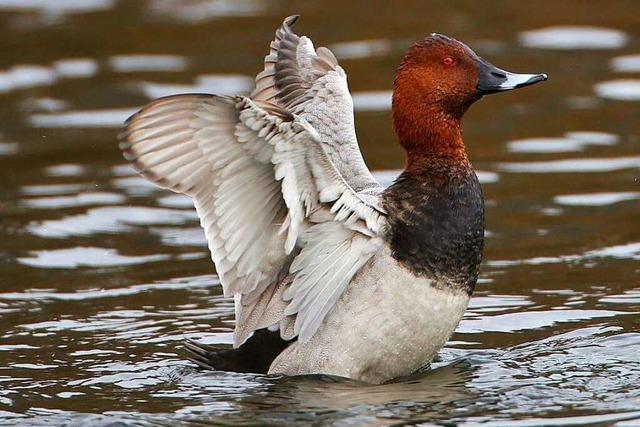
point(103, 276)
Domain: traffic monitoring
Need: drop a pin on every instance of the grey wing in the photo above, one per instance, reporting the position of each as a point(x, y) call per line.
point(310, 83)
point(285, 230)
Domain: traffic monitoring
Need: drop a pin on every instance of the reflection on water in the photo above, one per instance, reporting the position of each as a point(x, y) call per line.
point(82, 199)
point(59, 6)
point(361, 49)
point(573, 141)
point(109, 219)
point(379, 100)
point(596, 199)
point(104, 275)
point(574, 165)
point(195, 11)
point(626, 63)
point(574, 37)
point(25, 76)
point(83, 119)
point(622, 89)
point(133, 63)
point(7, 148)
point(75, 67)
point(84, 257)
point(231, 84)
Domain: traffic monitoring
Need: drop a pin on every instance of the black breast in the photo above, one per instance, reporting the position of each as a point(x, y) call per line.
point(436, 224)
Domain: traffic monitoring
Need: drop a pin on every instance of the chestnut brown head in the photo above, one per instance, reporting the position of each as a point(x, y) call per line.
point(443, 72)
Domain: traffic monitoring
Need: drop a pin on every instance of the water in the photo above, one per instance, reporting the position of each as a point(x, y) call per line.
point(103, 276)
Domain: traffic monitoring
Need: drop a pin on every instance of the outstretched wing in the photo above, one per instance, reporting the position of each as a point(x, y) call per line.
point(310, 83)
point(286, 231)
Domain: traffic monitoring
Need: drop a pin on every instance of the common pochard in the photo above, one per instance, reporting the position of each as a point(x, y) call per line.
point(330, 272)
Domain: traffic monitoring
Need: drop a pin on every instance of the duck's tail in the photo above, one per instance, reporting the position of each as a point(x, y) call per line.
point(255, 355)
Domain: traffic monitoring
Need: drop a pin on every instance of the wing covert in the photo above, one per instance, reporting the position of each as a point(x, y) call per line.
point(310, 83)
point(286, 232)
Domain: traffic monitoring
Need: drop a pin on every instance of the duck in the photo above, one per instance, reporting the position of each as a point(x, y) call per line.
point(330, 272)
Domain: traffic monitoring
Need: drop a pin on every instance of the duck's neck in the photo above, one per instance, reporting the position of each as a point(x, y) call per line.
point(427, 128)
point(427, 120)
point(435, 208)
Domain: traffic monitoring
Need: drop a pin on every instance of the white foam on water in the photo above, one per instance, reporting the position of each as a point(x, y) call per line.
point(194, 282)
point(361, 48)
point(56, 6)
point(147, 62)
point(25, 77)
point(596, 199)
point(93, 352)
point(68, 394)
point(541, 260)
point(84, 257)
point(386, 177)
point(625, 251)
point(195, 11)
point(593, 137)
point(32, 366)
point(109, 220)
point(51, 189)
point(631, 296)
point(107, 118)
point(83, 199)
point(376, 100)
point(485, 304)
point(544, 145)
point(135, 185)
point(218, 84)
point(176, 201)
point(620, 90)
point(7, 148)
point(75, 67)
point(128, 375)
point(215, 338)
point(68, 169)
point(12, 347)
point(528, 320)
point(572, 165)
point(574, 37)
point(617, 419)
point(572, 141)
point(626, 63)
point(45, 104)
point(193, 236)
point(123, 170)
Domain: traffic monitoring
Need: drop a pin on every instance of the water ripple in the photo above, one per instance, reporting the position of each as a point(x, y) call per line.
point(192, 283)
point(84, 257)
point(109, 220)
point(573, 165)
point(572, 141)
point(146, 62)
point(621, 90)
point(574, 37)
point(82, 199)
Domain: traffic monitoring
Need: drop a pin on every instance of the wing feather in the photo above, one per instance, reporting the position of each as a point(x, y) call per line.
point(310, 83)
point(274, 208)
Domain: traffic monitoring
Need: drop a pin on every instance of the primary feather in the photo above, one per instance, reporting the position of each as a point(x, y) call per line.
point(273, 205)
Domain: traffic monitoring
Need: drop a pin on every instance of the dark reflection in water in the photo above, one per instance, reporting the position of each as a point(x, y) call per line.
point(103, 275)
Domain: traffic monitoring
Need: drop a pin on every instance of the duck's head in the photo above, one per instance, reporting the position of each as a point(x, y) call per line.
point(438, 80)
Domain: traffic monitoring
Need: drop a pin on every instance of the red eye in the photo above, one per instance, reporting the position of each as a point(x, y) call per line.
point(448, 61)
